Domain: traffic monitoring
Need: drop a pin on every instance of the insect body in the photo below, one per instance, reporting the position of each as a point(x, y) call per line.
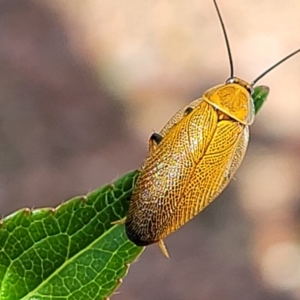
point(192, 159)
point(199, 151)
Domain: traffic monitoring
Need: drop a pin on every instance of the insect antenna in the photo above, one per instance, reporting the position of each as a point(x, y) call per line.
point(274, 66)
point(226, 38)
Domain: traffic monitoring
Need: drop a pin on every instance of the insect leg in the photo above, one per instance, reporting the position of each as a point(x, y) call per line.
point(163, 248)
point(119, 222)
point(155, 139)
point(188, 110)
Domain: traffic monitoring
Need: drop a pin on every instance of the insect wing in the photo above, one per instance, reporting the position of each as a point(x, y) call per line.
point(166, 174)
point(213, 172)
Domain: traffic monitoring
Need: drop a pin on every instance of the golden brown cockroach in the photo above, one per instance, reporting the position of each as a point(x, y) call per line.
point(192, 159)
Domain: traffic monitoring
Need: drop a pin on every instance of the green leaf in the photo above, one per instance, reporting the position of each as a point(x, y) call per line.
point(259, 96)
point(71, 252)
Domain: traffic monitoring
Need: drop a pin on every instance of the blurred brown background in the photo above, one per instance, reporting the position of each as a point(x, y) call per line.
point(84, 83)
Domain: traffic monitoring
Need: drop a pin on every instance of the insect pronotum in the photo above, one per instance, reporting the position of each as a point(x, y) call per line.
point(193, 158)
